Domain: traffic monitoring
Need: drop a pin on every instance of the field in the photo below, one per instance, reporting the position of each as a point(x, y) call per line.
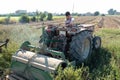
point(16, 18)
point(105, 63)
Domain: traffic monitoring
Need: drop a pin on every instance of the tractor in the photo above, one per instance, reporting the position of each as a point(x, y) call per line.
point(59, 47)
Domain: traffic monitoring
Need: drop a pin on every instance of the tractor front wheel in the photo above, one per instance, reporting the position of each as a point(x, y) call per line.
point(96, 42)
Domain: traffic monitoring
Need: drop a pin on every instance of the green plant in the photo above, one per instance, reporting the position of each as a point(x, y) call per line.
point(102, 14)
point(50, 16)
point(96, 13)
point(71, 73)
point(24, 19)
point(33, 19)
point(42, 16)
point(7, 19)
point(37, 15)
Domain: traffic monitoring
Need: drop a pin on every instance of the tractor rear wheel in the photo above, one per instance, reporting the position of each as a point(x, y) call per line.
point(81, 46)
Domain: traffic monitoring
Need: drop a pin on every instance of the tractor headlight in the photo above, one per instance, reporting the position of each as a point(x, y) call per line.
point(62, 33)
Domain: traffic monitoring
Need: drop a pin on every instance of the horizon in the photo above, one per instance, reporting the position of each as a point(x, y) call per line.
point(55, 6)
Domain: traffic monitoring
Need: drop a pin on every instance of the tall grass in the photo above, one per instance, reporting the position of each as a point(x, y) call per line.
point(23, 33)
point(17, 35)
point(108, 67)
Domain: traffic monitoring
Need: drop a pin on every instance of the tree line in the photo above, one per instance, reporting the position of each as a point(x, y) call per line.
point(36, 18)
point(25, 18)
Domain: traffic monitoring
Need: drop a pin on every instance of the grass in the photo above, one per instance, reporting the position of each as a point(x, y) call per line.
point(107, 61)
point(20, 33)
point(57, 17)
point(25, 33)
point(11, 18)
point(16, 18)
point(17, 35)
point(111, 39)
point(104, 64)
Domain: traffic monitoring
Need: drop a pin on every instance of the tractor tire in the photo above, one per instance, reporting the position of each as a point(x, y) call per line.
point(81, 47)
point(96, 43)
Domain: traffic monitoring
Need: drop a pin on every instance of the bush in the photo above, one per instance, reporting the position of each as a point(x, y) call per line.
point(96, 13)
point(7, 20)
point(50, 16)
point(102, 14)
point(33, 19)
point(42, 16)
point(24, 19)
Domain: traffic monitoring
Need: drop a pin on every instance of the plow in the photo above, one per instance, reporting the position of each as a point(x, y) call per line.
point(59, 47)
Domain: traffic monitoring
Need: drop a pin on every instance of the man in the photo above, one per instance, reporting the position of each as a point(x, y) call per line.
point(69, 20)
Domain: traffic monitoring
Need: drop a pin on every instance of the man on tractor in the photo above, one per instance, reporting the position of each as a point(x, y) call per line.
point(69, 20)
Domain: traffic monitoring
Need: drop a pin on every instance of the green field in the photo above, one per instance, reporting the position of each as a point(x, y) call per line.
point(17, 17)
point(105, 63)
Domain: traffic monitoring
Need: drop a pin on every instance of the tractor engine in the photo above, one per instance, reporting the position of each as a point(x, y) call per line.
point(55, 39)
point(59, 38)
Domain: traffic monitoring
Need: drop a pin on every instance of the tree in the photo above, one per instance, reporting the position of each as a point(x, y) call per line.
point(42, 16)
point(24, 19)
point(79, 14)
point(7, 20)
point(74, 14)
point(96, 13)
point(111, 11)
point(37, 15)
point(50, 16)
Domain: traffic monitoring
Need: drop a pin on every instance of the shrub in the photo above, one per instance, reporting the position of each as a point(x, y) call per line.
point(33, 19)
point(102, 14)
point(7, 20)
point(42, 16)
point(96, 13)
point(24, 19)
point(50, 16)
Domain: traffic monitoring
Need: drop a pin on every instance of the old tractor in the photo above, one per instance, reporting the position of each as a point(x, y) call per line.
point(59, 46)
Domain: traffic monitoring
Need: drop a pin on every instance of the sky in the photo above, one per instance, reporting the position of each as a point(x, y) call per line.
point(59, 6)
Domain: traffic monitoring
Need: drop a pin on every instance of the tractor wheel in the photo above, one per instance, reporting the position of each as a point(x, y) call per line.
point(96, 42)
point(81, 46)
